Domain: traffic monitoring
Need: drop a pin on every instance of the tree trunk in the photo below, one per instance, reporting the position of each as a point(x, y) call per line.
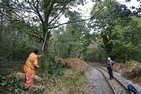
point(79, 54)
point(84, 50)
point(69, 51)
point(45, 61)
point(1, 29)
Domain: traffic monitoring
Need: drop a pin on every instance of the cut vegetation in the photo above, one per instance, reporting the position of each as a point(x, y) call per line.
point(70, 79)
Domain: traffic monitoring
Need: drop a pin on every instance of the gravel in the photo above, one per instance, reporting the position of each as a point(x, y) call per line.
point(97, 83)
point(126, 82)
point(117, 87)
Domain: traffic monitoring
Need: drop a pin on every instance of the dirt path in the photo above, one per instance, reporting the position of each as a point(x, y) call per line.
point(98, 84)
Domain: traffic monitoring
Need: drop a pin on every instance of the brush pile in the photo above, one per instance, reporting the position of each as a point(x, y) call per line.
point(73, 63)
point(20, 75)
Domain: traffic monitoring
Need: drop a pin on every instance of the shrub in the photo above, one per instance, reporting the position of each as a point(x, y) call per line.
point(11, 86)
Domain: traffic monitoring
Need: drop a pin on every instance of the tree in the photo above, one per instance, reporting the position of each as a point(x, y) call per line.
point(72, 41)
point(114, 25)
point(104, 22)
point(80, 32)
point(39, 16)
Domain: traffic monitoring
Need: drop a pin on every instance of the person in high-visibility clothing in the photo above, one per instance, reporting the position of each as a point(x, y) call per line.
point(110, 64)
point(29, 67)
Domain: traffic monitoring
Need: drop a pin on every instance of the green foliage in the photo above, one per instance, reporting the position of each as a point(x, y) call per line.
point(67, 44)
point(73, 41)
point(14, 47)
point(96, 54)
point(56, 69)
point(38, 17)
point(118, 37)
point(108, 12)
point(11, 85)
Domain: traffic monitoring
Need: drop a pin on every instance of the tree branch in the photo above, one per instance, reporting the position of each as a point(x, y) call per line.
point(36, 10)
point(76, 20)
point(117, 54)
point(24, 24)
point(34, 31)
point(50, 8)
point(59, 12)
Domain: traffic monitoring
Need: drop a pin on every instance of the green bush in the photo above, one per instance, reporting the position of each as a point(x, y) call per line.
point(56, 69)
point(19, 50)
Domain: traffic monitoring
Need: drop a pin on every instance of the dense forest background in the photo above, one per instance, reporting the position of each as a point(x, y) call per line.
point(24, 24)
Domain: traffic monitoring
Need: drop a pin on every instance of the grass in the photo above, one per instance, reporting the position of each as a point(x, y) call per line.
point(70, 82)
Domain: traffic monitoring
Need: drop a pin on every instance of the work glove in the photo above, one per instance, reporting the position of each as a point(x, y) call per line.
point(39, 55)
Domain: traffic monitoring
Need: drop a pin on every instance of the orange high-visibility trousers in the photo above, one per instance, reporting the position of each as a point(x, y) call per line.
point(29, 80)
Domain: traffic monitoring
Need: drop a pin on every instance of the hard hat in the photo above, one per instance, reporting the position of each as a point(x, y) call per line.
point(109, 58)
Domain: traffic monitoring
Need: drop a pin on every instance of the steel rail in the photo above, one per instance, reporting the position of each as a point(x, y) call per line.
point(114, 92)
point(117, 80)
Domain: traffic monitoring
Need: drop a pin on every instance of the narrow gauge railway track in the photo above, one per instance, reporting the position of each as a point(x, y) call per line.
point(116, 86)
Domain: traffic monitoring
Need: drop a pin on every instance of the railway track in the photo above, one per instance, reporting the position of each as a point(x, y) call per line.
point(116, 86)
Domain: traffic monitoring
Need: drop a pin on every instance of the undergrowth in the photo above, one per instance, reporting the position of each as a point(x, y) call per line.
point(71, 82)
point(60, 78)
point(130, 70)
point(11, 85)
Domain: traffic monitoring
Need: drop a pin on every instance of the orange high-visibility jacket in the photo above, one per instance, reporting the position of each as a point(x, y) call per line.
point(31, 63)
